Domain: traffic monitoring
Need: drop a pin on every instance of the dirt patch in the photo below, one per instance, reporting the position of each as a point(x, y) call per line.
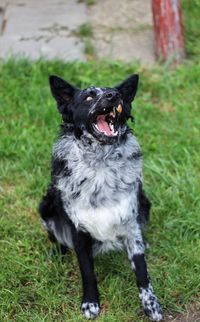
point(192, 314)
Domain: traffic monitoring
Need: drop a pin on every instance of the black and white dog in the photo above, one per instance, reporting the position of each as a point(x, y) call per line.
point(95, 201)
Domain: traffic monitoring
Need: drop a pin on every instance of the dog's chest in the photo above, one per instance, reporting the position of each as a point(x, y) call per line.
point(100, 195)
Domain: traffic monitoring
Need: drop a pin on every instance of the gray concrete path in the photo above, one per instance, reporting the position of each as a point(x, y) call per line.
point(42, 28)
point(54, 29)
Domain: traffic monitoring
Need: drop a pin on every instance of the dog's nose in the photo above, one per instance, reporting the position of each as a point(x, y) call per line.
point(111, 94)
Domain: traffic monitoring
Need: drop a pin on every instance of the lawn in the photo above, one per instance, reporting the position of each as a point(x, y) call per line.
point(38, 287)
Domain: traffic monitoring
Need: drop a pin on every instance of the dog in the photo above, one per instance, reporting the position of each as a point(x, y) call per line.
point(95, 201)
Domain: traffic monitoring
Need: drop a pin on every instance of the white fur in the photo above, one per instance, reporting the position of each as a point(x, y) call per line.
point(103, 223)
point(90, 310)
point(150, 303)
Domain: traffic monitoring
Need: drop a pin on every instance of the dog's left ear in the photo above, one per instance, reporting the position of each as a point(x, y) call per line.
point(62, 91)
point(128, 88)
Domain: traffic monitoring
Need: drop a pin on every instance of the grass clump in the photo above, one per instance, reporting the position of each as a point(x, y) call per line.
point(85, 33)
point(90, 2)
point(85, 30)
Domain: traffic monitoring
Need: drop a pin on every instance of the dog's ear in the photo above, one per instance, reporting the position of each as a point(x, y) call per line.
point(128, 88)
point(62, 91)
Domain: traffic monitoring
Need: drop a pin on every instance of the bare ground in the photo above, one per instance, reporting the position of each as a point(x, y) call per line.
point(192, 314)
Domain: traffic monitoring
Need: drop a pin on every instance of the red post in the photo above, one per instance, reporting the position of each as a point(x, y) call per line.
point(168, 27)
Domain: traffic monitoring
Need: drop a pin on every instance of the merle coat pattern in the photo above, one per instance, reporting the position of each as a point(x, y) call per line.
point(95, 201)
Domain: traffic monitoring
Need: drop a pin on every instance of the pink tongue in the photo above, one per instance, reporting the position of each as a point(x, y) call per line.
point(103, 125)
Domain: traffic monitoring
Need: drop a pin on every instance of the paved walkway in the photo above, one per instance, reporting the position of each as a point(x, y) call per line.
point(54, 28)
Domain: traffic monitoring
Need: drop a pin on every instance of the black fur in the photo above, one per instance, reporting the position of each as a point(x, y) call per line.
point(144, 206)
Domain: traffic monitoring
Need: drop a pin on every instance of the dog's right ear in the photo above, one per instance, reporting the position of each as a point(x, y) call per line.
point(62, 91)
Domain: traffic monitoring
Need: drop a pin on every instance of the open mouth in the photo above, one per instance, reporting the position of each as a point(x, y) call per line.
point(107, 123)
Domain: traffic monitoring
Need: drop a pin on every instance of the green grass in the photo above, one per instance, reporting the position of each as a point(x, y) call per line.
point(191, 11)
point(90, 2)
point(85, 30)
point(36, 287)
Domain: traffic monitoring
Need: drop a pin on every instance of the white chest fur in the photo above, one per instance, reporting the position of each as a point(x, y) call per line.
point(105, 222)
point(100, 195)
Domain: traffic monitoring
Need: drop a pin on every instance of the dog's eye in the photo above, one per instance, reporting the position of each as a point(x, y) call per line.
point(89, 98)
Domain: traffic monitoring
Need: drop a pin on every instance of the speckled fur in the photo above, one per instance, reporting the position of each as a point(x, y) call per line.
point(100, 195)
point(95, 201)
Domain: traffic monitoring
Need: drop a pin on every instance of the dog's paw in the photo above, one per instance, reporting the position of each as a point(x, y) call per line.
point(90, 310)
point(153, 310)
point(150, 304)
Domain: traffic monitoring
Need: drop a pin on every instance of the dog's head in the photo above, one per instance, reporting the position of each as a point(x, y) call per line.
point(102, 112)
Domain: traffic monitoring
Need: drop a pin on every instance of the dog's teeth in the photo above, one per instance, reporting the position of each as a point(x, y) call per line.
point(113, 130)
point(112, 114)
point(111, 127)
point(89, 98)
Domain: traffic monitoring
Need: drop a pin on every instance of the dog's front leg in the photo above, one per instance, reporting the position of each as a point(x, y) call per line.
point(90, 306)
point(135, 249)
